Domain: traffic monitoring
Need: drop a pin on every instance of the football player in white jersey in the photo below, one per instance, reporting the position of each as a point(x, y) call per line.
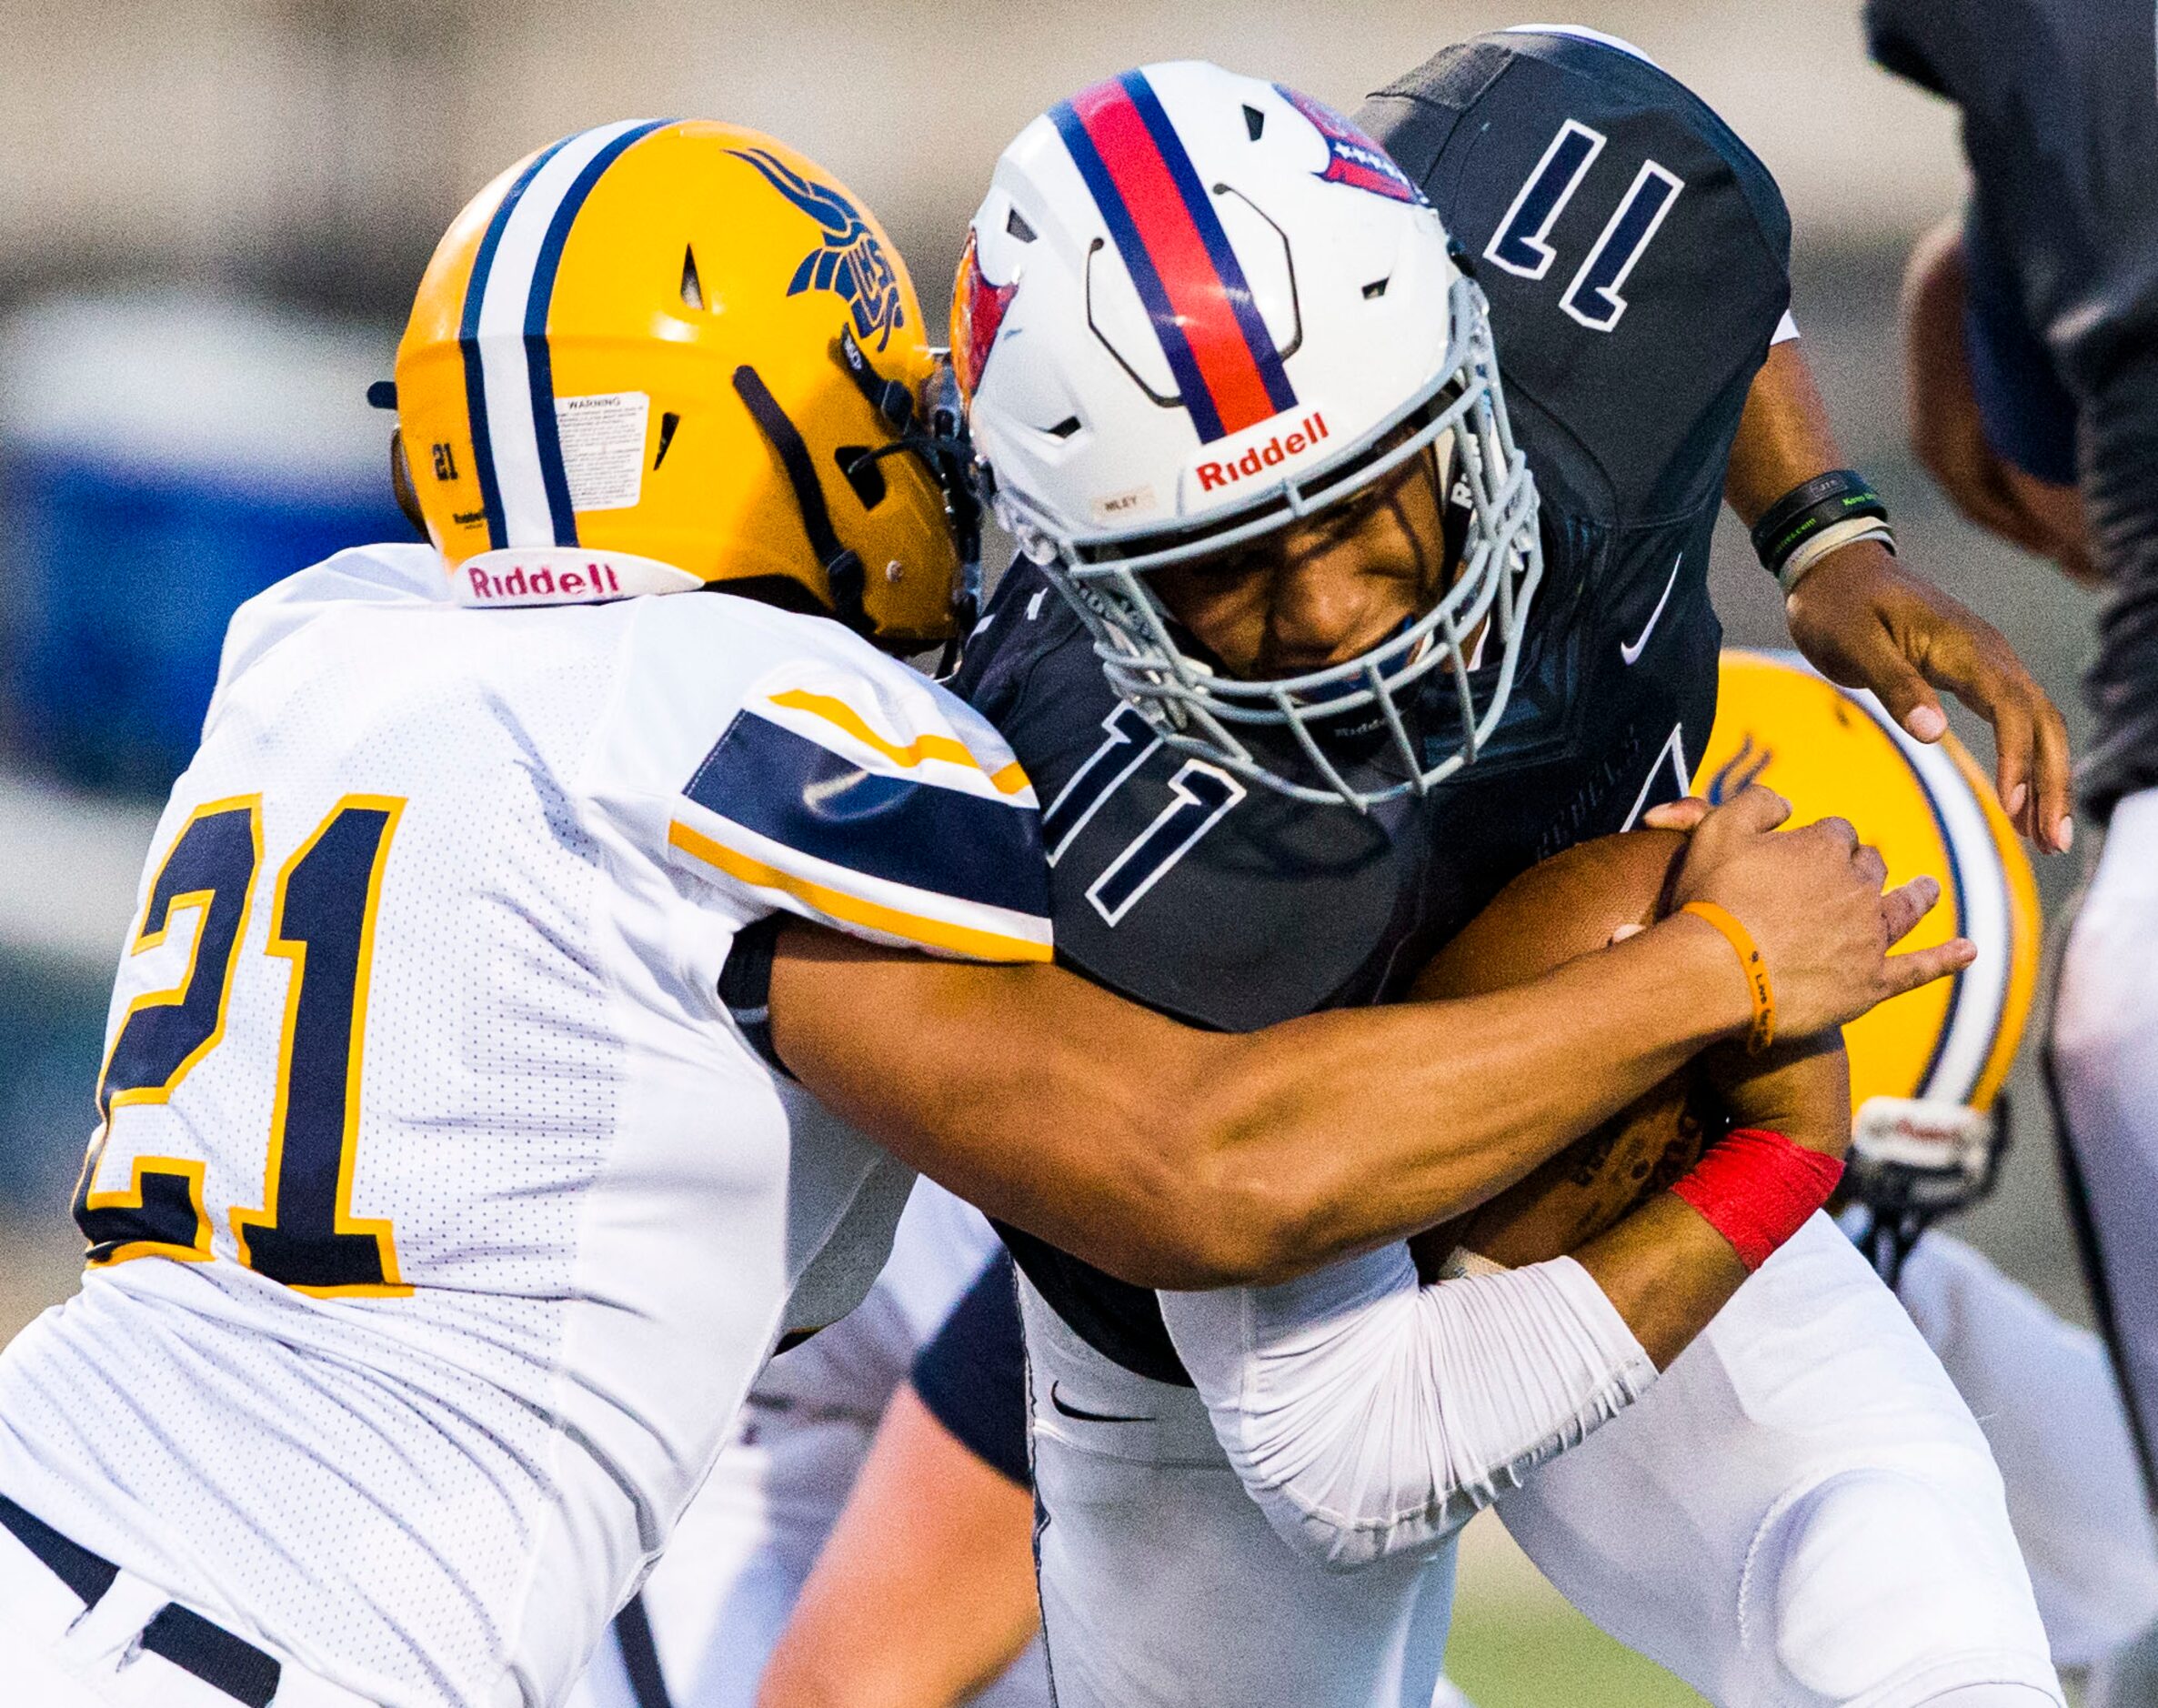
point(447, 1195)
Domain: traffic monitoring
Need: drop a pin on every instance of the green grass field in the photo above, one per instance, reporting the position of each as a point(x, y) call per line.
point(1518, 1644)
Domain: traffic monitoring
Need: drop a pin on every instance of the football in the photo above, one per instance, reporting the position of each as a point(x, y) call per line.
point(1570, 906)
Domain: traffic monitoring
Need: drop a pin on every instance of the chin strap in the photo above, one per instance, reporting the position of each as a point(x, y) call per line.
point(944, 448)
point(842, 568)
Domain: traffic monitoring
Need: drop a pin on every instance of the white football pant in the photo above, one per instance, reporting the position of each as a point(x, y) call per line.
point(2043, 1391)
point(55, 1653)
point(1162, 1584)
point(1801, 1512)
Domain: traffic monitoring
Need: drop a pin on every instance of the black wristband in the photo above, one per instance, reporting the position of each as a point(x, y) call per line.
point(1810, 507)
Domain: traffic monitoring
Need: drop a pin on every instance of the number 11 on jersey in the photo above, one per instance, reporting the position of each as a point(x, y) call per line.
point(322, 923)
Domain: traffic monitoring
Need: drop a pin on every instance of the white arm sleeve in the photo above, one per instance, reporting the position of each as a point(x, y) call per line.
point(1370, 1416)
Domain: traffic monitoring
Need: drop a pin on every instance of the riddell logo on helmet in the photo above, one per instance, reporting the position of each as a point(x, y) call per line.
point(1216, 473)
point(595, 581)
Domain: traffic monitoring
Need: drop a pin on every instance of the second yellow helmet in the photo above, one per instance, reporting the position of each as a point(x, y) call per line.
point(1930, 811)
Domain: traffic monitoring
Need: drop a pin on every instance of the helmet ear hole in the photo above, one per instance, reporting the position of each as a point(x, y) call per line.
point(859, 464)
point(400, 481)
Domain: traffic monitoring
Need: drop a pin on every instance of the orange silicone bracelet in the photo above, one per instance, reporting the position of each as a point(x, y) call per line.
point(1763, 1031)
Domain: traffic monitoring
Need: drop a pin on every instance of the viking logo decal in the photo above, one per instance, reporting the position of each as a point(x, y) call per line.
point(1740, 772)
point(850, 261)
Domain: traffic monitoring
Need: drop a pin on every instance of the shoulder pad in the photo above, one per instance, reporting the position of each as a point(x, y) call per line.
point(1635, 252)
point(398, 574)
point(779, 759)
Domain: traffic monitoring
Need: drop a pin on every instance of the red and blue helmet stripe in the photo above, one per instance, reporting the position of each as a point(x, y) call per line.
point(1230, 376)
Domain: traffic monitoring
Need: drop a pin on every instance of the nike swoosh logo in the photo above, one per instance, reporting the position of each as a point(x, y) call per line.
point(1630, 653)
point(1057, 1400)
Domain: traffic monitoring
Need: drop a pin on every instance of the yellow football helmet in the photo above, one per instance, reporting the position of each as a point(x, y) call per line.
point(1926, 1067)
point(659, 355)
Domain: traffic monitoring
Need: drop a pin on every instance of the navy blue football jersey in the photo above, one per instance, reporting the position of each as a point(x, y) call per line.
point(1636, 257)
point(971, 1374)
point(2061, 127)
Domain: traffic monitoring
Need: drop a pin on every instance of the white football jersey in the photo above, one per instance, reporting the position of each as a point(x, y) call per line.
point(718, 1600)
point(441, 1215)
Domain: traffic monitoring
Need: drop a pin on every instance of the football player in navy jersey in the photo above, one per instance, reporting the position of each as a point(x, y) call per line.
point(2034, 387)
point(1297, 714)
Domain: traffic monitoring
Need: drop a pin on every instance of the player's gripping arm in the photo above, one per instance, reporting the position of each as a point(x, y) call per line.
point(1175, 1157)
point(1865, 623)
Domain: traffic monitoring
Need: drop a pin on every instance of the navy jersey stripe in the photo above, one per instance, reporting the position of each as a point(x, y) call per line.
point(806, 797)
point(971, 1374)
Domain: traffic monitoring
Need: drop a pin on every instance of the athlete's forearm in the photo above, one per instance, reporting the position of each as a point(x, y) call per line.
point(1784, 437)
point(1371, 1417)
point(924, 1593)
point(1664, 1268)
point(1175, 1157)
point(1666, 1273)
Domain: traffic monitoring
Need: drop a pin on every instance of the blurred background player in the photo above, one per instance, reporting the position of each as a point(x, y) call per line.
point(2032, 365)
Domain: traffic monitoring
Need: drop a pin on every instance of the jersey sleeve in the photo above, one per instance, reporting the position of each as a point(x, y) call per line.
point(1635, 252)
point(814, 776)
point(1370, 1416)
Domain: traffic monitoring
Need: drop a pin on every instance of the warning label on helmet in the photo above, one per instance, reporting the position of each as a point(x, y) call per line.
point(603, 447)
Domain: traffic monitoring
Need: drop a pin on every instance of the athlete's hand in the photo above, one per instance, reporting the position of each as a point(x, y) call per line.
point(1811, 900)
point(1865, 623)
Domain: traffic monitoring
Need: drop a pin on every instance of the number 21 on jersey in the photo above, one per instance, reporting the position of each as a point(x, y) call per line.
point(322, 927)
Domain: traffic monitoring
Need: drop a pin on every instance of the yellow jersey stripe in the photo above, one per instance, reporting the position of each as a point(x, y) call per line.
point(839, 905)
point(841, 715)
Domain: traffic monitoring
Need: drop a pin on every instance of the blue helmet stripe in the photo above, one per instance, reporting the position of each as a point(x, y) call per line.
point(538, 362)
point(1192, 390)
point(476, 390)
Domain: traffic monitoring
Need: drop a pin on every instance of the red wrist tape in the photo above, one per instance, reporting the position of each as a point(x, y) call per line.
point(1757, 1188)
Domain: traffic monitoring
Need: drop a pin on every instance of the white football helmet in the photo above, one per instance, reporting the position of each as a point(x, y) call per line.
point(1193, 309)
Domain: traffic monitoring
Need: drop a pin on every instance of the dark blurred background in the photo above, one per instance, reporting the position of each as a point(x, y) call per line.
point(212, 212)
